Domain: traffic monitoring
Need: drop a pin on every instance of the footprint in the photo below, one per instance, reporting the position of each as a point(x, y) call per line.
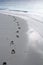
point(17, 31)
point(13, 51)
point(12, 43)
point(14, 18)
point(19, 27)
point(17, 36)
point(4, 63)
point(17, 23)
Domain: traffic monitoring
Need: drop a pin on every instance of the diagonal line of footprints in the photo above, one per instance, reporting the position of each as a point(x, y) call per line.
point(17, 35)
point(12, 42)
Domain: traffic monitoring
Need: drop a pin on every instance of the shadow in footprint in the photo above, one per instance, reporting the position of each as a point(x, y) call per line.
point(18, 24)
point(19, 27)
point(11, 43)
point(4, 63)
point(17, 31)
point(17, 36)
point(13, 51)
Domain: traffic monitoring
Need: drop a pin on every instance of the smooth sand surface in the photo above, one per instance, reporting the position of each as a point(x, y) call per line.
point(17, 35)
